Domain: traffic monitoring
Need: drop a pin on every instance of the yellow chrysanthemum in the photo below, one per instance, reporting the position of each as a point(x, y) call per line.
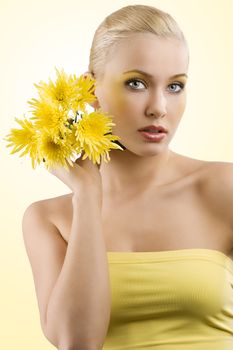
point(54, 153)
point(48, 115)
point(68, 91)
point(62, 92)
point(73, 140)
point(93, 132)
point(85, 92)
point(27, 138)
point(57, 134)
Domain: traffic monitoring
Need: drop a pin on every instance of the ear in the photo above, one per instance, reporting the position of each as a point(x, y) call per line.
point(87, 74)
point(94, 104)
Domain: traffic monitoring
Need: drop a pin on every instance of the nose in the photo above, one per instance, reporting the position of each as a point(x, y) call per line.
point(157, 105)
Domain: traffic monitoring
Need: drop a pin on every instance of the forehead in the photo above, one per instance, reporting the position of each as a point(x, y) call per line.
point(149, 53)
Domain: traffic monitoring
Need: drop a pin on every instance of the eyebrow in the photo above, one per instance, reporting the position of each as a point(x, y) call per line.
point(151, 76)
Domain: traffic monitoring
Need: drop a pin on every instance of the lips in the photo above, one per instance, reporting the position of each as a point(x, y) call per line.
point(153, 128)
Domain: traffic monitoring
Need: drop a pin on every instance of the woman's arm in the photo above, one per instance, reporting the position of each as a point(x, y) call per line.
point(78, 311)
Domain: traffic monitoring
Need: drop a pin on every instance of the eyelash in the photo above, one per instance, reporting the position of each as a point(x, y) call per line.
point(181, 85)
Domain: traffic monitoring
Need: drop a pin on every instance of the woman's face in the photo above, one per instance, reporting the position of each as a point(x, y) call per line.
point(130, 97)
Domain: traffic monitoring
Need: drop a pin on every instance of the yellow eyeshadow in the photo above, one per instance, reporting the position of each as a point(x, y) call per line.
point(139, 75)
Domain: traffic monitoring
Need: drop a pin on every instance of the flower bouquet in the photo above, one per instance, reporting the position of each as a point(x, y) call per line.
point(61, 127)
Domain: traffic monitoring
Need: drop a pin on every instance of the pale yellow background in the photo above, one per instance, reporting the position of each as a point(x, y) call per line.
point(38, 35)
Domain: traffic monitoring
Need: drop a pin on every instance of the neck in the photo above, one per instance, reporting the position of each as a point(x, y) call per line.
point(129, 172)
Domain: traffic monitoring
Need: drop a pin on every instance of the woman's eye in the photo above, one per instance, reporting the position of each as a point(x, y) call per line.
point(180, 85)
point(134, 83)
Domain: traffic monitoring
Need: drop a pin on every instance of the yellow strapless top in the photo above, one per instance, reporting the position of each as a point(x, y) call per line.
point(171, 300)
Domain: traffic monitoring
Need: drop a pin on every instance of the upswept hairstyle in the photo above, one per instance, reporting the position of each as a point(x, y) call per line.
point(124, 22)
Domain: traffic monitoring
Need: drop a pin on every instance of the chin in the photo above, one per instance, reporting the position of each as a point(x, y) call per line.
point(148, 152)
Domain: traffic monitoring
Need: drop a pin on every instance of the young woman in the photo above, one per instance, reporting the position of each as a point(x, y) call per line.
point(139, 254)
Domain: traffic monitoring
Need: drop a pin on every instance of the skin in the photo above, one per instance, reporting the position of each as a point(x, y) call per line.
point(145, 163)
point(148, 181)
point(153, 198)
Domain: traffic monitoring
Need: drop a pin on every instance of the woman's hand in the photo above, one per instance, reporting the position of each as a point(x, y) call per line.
point(83, 174)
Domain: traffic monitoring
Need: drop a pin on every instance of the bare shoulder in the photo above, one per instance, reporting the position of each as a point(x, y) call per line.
point(214, 181)
point(218, 178)
point(59, 212)
point(45, 208)
point(52, 205)
point(217, 186)
point(214, 176)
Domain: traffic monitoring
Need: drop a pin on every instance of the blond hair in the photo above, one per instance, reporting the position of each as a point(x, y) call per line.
point(124, 22)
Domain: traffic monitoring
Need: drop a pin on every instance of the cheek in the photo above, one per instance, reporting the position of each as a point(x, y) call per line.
point(176, 110)
point(129, 103)
point(182, 104)
point(177, 105)
point(114, 101)
point(119, 98)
